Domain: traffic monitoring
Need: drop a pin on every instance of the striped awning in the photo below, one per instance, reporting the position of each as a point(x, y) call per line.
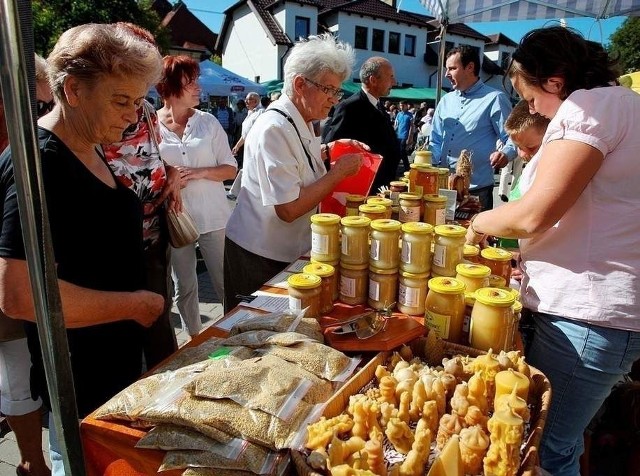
point(454, 11)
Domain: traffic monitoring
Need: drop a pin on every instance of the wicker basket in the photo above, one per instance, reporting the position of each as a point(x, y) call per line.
point(539, 396)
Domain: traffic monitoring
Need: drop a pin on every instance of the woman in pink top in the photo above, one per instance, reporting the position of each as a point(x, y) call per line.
point(578, 228)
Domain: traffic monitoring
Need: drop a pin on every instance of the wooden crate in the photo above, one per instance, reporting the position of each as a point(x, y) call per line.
point(539, 397)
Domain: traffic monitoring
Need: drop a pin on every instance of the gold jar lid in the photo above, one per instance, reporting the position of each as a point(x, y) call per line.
point(319, 269)
point(417, 227)
point(469, 298)
point(433, 197)
point(356, 220)
point(409, 196)
point(386, 224)
point(398, 183)
point(472, 270)
point(304, 281)
point(446, 285)
point(443, 170)
point(373, 269)
point(385, 202)
point(517, 307)
point(352, 197)
point(325, 219)
point(356, 267)
point(496, 254)
point(450, 230)
point(372, 208)
point(407, 274)
point(515, 292)
point(471, 250)
point(495, 297)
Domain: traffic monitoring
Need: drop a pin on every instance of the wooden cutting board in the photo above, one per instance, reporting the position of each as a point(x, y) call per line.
point(398, 330)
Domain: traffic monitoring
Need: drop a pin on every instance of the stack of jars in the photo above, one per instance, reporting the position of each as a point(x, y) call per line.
point(384, 260)
point(325, 257)
point(354, 259)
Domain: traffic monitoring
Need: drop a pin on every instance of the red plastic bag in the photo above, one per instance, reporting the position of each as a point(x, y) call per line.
point(359, 184)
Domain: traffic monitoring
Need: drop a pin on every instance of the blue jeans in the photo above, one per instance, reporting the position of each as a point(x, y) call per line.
point(582, 362)
point(55, 456)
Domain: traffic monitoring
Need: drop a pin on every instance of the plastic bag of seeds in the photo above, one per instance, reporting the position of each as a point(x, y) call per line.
point(255, 458)
point(173, 437)
point(204, 351)
point(319, 359)
point(125, 405)
point(283, 468)
point(287, 321)
point(229, 418)
point(258, 384)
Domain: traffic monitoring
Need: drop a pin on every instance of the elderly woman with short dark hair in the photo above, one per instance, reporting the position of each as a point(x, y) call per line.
point(99, 75)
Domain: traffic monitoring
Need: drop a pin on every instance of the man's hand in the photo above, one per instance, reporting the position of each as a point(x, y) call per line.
point(348, 165)
point(498, 159)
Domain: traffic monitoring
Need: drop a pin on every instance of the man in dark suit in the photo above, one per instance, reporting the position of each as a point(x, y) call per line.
point(362, 117)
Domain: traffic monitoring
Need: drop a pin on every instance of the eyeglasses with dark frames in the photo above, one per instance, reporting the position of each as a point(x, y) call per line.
point(43, 107)
point(328, 90)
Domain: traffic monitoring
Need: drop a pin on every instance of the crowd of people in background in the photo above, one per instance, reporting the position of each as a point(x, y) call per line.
point(112, 166)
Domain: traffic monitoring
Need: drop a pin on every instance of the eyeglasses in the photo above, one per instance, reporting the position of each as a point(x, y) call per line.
point(328, 90)
point(43, 107)
point(364, 325)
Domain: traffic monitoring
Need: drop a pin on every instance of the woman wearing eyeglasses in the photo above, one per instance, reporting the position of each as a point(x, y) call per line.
point(284, 176)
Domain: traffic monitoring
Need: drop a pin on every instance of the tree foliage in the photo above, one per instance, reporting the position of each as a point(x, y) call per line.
point(52, 17)
point(624, 45)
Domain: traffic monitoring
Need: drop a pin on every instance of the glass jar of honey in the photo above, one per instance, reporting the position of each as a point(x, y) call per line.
point(435, 209)
point(325, 237)
point(415, 254)
point(372, 211)
point(496, 281)
point(304, 291)
point(443, 178)
point(384, 249)
point(397, 187)
point(492, 320)
point(444, 308)
point(383, 288)
point(423, 179)
point(412, 293)
point(385, 202)
point(471, 253)
point(327, 275)
point(469, 301)
point(499, 260)
point(474, 276)
point(410, 207)
point(447, 250)
point(353, 283)
point(353, 202)
point(355, 240)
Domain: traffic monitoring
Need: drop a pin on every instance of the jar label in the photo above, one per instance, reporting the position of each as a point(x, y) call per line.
point(439, 323)
point(405, 254)
point(395, 198)
point(408, 214)
point(295, 303)
point(319, 244)
point(375, 249)
point(439, 255)
point(441, 216)
point(466, 322)
point(408, 296)
point(348, 287)
point(374, 290)
point(344, 245)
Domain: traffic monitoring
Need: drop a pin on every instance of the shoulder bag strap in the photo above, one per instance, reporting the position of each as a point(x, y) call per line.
point(290, 119)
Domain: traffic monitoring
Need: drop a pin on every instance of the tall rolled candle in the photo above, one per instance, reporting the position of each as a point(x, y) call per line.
point(509, 379)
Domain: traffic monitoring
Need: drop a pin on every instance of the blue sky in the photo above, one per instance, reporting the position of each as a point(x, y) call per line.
point(210, 12)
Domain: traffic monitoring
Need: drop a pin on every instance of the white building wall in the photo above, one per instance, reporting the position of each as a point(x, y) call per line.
point(408, 69)
point(286, 18)
point(248, 50)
